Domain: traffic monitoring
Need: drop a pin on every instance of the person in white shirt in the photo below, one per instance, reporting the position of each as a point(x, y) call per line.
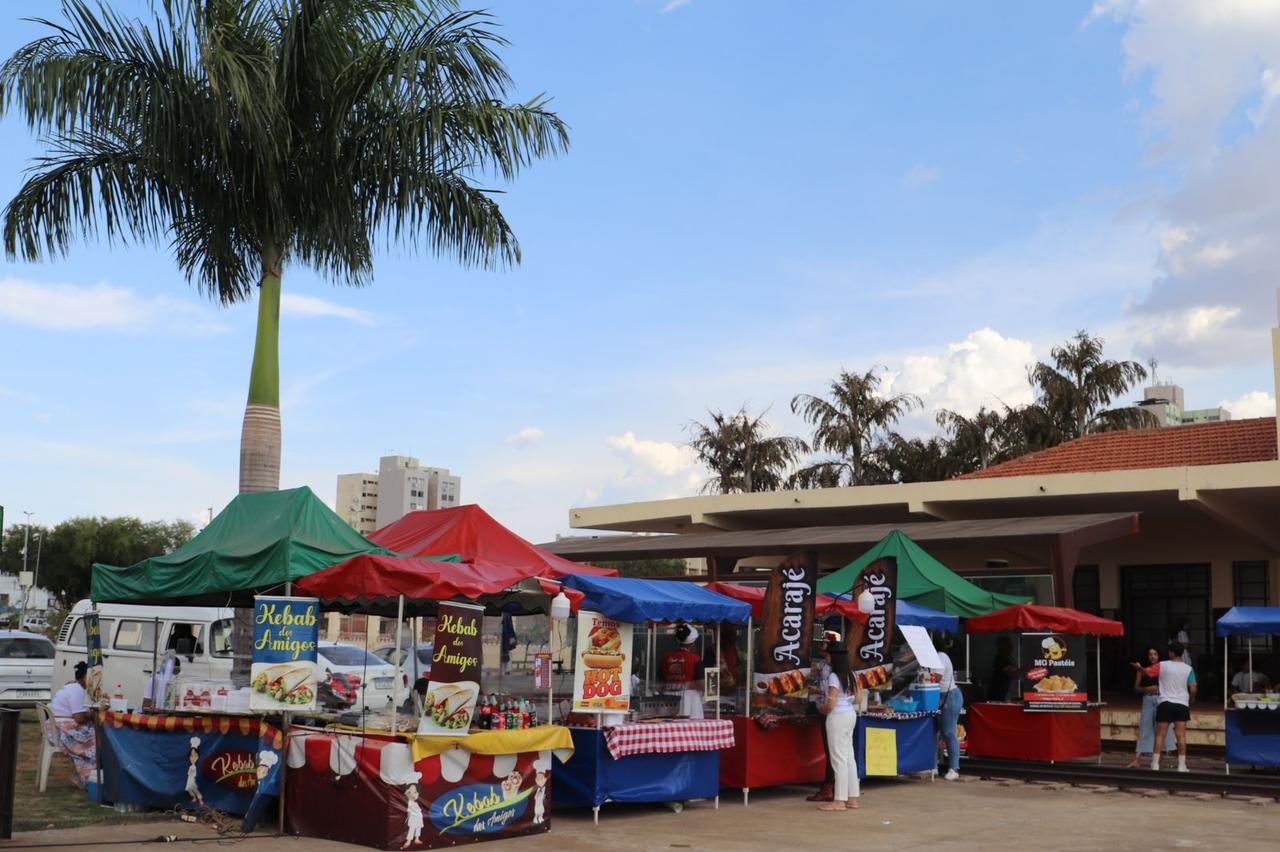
point(838, 706)
point(828, 790)
point(73, 726)
point(1247, 680)
point(1177, 689)
point(951, 703)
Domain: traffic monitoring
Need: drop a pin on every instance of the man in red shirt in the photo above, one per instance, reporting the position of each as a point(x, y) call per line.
point(682, 669)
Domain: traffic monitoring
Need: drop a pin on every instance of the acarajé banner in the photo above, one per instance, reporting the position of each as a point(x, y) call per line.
point(871, 644)
point(783, 661)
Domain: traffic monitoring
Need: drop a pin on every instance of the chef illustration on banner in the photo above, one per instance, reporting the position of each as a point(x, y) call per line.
point(602, 683)
point(285, 632)
point(455, 671)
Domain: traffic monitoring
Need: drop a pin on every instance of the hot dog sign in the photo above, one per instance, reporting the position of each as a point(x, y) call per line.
point(602, 670)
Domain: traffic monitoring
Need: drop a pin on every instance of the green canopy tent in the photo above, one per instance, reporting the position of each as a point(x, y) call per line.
point(922, 580)
point(256, 544)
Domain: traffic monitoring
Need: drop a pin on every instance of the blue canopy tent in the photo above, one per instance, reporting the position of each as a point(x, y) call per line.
point(594, 777)
point(929, 619)
point(1253, 735)
point(636, 601)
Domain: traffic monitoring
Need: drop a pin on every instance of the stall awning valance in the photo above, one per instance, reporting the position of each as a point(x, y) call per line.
point(1250, 621)
point(754, 595)
point(636, 601)
point(257, 543)
point(922, 580)
point(1054, 619)
point(373, 584)
point(474, 536)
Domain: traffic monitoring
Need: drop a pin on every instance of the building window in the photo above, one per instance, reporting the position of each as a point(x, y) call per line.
point(1084, 587)
point(1252, 587)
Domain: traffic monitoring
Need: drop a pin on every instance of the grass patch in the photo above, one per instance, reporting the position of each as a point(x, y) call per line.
point(61, 805)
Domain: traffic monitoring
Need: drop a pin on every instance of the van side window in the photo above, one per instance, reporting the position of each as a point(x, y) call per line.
point(194, 632)
point(136, 635)
point(220, 638)
point(76, 639)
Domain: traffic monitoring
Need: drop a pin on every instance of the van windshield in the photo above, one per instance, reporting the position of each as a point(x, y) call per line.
point(23, 648)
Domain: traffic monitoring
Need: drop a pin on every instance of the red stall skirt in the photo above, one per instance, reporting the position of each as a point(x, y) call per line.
point(1006, 730)
point(788, 753)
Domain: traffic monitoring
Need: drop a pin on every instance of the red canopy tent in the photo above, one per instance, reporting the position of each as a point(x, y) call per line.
point(754, 595)
point(473, 534)
point(1051, 618)
point(373, 583)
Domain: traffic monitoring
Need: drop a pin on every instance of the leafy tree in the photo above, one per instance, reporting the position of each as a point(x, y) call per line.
point(1073, 393)
point(977, 442)
point(850, 425)
point(741, 455)
point(251, 134)
point(917, 459)
point(69, 549)
point(648, 567)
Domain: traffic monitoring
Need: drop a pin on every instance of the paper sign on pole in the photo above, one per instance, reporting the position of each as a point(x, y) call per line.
point(283, 673)
point(918, 638)
point(602, 675)
point(882, 751)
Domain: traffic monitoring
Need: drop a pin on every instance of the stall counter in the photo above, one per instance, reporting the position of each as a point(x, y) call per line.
point(1253, 737)
point(389, 790)
point(789, 751)
point(999, 729)
point(903, 743)
point(664, 762)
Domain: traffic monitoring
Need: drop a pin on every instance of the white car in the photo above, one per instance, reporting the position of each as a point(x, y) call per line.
point(26, 668)
point(425, 654)
point(353, 680)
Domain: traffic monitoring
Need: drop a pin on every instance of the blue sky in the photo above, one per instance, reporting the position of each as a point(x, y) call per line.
point(757, 195)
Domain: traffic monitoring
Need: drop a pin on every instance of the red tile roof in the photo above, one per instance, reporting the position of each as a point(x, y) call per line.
point(1228, 442)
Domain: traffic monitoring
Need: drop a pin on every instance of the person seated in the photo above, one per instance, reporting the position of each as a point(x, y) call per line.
point(1247, 680)
point(73, 726)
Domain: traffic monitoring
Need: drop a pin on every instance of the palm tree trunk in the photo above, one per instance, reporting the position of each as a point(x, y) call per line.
point(260, 435)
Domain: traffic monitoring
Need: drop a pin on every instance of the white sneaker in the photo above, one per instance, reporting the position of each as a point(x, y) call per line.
point(951, 775)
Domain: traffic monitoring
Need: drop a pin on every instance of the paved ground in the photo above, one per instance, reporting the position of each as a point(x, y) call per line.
point(904, 815)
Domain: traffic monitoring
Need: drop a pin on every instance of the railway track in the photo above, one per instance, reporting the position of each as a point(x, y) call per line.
point(1251, 784)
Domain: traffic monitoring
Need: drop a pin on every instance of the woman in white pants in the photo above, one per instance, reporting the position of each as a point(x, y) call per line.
point(838, 707)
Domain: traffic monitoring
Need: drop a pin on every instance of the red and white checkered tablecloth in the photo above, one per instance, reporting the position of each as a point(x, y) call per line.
point(668, 737)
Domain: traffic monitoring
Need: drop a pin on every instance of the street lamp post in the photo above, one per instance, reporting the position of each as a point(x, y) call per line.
point(26, 547)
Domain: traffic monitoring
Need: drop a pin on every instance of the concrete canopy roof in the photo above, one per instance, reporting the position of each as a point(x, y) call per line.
point(1084, 529)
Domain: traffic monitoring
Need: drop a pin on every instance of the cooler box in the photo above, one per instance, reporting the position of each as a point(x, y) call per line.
point(927, 695)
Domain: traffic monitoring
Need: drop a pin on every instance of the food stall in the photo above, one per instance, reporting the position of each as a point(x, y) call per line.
point(1055, 719)
point(427, 782)
point(653, 760)
point(771, 751)
point(1252, 719)
point(208, 748)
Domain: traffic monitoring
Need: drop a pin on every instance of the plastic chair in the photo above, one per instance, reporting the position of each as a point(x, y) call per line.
point(48, 746)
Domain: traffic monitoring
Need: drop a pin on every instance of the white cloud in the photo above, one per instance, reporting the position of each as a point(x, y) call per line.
point(660, 456)
point(72, 307)
point(920, 175)
point(293, 304)
point(526, 436)
point(1252, 404)
point(673, 5)
point(985, 369)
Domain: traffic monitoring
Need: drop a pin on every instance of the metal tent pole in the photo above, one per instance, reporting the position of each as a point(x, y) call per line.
point(395, 684)
point(1249, 639)
point(551, 689)
point(1226, 671)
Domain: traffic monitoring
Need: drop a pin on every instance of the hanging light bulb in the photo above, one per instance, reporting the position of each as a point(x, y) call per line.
point(560, 608)
point(866, 602)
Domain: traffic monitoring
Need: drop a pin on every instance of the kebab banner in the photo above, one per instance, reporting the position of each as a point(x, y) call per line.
point(455, 671)
point(786, 637)
point(871, 644)
point(285, 632)
point(1056, 672)
point(93, 695)
point(602, 683)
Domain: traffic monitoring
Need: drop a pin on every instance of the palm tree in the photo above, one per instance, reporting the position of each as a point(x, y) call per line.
point(850, 426)
point(252, 134)
point(248, 134)
point(975, 442)
point(1074, 391)
point(741, 455)
point(917, 459)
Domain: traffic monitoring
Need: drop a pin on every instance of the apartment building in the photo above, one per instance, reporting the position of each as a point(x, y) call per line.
point(369, 501)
